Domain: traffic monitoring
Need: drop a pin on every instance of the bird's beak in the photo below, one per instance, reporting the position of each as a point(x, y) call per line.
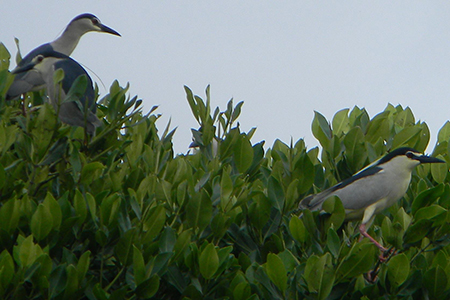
point(429, 159)
point(104, 28)
point(23, 68)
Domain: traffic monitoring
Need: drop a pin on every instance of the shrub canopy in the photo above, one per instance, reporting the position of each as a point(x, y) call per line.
point(122, 217)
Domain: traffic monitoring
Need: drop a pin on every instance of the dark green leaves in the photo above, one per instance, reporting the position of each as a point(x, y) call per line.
point(320, 275)
point(120, 215)
point(276, 271)
point(398, 269)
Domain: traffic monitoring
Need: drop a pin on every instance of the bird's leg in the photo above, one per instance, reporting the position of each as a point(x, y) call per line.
point(385, 252)
point(362, 230)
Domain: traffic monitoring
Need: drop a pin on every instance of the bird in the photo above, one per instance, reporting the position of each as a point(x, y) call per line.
point(69, 111)
point(374, 188)
point(65, 44)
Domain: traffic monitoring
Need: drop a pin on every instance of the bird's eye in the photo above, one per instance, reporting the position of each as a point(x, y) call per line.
point(40, 58)
point(95, 21)
point(409, 154)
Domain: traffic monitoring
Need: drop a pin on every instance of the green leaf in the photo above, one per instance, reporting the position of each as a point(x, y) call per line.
point(138, 266)
point(57, 281)
point(439, 171)
point(154, 223)
point(398, 269)
point(92, 205)
point(379, 127)
point(55, 210)
point(289, 260)
point(355, 149)
point(426, 197)
point(83, 265)
point(429, 213)
point(243, 153)
point(77, 90)
point(199, 210)
point(2, 176)
point(304, 172)
point(28, 252)
point(298, 229)
point(435, 281)
point(333, 242)
point(407, 137)
point(358, 261)
point(56, 152)
point(80, 207)
point(183, 240)
point(276, 194)
point(341, 122)
point(72, 281)
point(90, 172)
point(5, 56)
point(7, 268)
point(226, 188)
point(333, 206)
point(208, 261)
point(10, 214)
point(292, 196)
point(148, 287)
point(276, 271)
point(444, 133)
point(109, 209)
point(418, 231)
point(237, 111)
point(41, 222)
point(321, 129)
point(58, 76)
point(242, 291)
point(320, 275)
point(124, 246)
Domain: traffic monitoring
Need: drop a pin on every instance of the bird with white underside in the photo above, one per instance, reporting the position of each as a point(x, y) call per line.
point(374, 188)
point(78, 111)
point(65, 44)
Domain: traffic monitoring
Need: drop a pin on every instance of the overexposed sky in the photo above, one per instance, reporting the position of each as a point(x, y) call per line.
point(284, 59)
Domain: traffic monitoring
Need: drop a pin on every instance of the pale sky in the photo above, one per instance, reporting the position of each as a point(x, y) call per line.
point(284, 59)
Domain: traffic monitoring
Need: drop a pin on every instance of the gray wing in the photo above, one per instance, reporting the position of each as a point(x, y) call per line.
point(28, 81)
point(363, 192)
point(25, 82)
point(356, 192)
point(71, 114)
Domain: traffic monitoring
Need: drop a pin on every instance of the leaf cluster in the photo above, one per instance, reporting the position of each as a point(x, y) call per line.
point(122, 217)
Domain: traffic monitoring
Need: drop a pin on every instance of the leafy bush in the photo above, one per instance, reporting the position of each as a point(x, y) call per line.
point(123, 217)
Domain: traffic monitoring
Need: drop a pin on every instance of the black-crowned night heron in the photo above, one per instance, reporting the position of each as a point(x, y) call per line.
point(374, 188)
point(69, 110)
point(65, 44)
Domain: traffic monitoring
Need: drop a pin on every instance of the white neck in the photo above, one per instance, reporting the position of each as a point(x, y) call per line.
point(69, 39)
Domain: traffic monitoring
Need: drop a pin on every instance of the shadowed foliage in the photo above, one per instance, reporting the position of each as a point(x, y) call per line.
point(123, 217)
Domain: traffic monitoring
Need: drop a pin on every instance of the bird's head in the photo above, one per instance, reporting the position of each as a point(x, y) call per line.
point(405, 158)
point(40, 61)
point(89, 22)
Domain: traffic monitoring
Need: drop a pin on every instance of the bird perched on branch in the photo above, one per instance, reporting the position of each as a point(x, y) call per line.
point(65, 44)
point(374, 188)
point(76, 111)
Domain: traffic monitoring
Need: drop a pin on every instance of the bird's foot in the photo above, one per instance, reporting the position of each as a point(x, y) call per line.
point(371, 276)
point(387, 254)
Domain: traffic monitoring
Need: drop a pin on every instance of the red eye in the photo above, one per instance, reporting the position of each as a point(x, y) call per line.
point(95, 21)
point(409, 154)
point(40, 58)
